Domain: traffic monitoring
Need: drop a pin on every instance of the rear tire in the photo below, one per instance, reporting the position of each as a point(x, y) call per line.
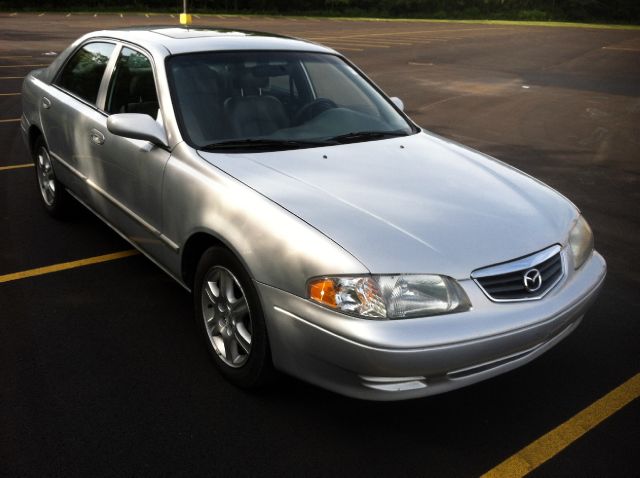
point(55, 198)
point(229, 316)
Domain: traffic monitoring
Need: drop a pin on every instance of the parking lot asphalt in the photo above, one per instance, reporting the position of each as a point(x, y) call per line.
point(101, 370)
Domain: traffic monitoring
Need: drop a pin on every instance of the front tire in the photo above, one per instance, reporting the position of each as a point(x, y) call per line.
point(229, 315)
point(55, 198)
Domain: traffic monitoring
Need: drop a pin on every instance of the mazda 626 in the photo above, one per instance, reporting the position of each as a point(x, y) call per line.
point(321, 232)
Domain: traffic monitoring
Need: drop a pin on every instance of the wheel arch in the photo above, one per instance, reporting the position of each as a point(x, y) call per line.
point(34, 133)
point(195, 246)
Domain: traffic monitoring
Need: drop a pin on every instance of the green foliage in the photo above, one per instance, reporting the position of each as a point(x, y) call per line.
point(626, 11)
point(533, 15)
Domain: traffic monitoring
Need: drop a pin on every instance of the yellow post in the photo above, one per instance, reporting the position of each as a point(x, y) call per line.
point(185, 18)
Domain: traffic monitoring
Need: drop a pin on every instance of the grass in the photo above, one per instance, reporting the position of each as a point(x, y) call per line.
point(498, 22)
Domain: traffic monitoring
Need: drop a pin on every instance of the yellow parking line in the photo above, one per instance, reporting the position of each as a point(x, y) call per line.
point(549, 445)
point(358, 41)
point(67, 265)
point(429, 40)
point(18, 66)
point(16, 56)
point(13, 120)
point(415, 32)
point(379, 41)
point(10, 94)
point(16, 166)
point(336, 44)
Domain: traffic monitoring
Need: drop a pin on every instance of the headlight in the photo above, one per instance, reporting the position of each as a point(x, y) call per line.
point(390, 297)
point(580, 242)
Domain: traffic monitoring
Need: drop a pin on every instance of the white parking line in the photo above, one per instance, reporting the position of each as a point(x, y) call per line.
point(619, 48)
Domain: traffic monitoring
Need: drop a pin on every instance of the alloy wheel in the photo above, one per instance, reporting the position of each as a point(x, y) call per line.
point(46, 178)
point(226, 316)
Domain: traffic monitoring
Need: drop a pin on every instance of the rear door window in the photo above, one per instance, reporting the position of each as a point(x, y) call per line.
point(83, 73)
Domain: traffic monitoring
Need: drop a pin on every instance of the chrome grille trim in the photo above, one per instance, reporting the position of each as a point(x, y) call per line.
point(494, 275)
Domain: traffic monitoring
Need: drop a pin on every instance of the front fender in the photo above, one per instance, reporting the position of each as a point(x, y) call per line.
point(276, 247)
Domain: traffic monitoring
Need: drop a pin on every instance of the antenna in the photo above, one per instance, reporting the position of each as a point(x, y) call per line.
point(185, 18)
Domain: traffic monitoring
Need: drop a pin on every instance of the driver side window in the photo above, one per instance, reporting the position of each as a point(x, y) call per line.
point(132, 88)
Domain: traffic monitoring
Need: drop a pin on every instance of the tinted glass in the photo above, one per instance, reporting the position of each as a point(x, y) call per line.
point(83, 72)
point(132, 89)
point(275, 96)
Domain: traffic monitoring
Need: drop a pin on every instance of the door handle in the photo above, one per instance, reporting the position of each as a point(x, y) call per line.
point(46, 103)
point(96, 136)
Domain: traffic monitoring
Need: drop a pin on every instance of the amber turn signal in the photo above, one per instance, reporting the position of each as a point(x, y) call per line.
point(323, 291)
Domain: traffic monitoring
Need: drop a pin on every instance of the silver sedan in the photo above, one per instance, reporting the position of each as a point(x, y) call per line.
point(321, 232)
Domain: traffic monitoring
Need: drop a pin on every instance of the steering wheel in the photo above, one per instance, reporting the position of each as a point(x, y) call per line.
point(313, 109)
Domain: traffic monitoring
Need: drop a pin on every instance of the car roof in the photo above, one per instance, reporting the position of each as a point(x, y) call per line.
point(177, 40)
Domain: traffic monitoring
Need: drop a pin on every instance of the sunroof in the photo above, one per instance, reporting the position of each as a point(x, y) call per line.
point(185, 33)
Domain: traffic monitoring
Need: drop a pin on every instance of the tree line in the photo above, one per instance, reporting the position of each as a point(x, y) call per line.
point(626, 11)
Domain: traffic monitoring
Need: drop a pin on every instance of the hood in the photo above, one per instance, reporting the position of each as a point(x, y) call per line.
point(415, 204)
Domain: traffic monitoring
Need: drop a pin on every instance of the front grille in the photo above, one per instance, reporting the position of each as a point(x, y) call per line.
point(506, 282)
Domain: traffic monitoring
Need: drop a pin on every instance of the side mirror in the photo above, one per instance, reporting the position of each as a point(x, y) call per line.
point(398, 102)
point(137, 126)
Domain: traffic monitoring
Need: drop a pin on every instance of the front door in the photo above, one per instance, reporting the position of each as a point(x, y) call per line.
point(130, 171)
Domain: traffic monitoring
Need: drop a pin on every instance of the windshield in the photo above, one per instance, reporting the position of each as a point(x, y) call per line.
point(276, 100)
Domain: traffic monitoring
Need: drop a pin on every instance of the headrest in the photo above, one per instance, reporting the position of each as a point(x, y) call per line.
point(248, 81)
point(197, 77)
point(142, 85)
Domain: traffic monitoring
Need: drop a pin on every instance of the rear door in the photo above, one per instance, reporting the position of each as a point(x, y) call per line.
point(68, 109)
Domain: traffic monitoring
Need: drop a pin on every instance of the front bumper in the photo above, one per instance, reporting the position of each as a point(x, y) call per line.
point(409, 358)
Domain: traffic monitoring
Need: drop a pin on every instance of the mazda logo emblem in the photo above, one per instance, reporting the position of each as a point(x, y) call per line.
point(532, 280)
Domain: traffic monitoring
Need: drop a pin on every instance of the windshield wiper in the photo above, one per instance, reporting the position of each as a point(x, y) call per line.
point(263, 143)
point(367, 135)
